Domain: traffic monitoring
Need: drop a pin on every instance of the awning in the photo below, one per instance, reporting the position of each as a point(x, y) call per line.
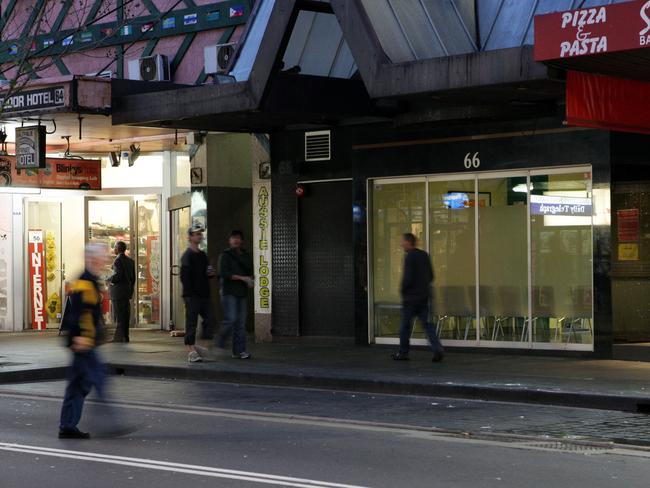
point(605, 102)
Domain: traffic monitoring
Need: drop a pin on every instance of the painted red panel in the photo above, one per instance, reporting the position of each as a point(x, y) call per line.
point(607, 102)
point(593, 30)
point(36, 255)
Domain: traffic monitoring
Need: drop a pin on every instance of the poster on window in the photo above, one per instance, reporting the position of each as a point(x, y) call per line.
point(36, 256)
point(6, 315)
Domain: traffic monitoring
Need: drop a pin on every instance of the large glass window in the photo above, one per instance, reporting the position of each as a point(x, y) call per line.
point(452, 250)
point(561, 254)
point(525, 236)
point(398, 207)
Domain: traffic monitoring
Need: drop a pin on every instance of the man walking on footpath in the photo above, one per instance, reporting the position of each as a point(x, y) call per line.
point(236, 276)
point(196, 273)
point(120, 287)
point(82, 321)
point(416, 295)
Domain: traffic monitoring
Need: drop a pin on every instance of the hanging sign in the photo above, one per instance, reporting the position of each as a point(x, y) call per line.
point(67, 174)
point(593, 30)
point(30, 147)
point(262, 237)
point(37, 277)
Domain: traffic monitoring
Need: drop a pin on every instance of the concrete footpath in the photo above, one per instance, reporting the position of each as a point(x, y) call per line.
point(603, 384)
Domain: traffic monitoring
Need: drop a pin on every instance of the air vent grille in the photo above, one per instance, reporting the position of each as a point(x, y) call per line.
point(318, 146)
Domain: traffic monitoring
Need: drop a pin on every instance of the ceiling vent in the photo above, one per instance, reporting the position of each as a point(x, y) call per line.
point(318, 145)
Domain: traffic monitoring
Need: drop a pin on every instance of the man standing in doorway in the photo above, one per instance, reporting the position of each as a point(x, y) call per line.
point(196, 273)
point(120, 285)
point(236, 276)
point(416, 295)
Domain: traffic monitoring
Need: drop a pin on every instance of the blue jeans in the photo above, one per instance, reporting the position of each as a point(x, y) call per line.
point(234, 322)
point(85, 372)
point(410, 311)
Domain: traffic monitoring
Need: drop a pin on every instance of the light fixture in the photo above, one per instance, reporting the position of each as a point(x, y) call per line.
point(115, 158)
point(135, 154)
point(521, 188)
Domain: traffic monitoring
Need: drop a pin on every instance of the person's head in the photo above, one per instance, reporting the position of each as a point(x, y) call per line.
point(96, 256)
point(120, 247)
point(236, 239)
point(195, 234)
point(408, 241)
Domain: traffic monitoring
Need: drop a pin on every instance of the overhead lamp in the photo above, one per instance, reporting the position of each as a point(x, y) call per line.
point(134, 154)
point(115, 158)
point(522, 188)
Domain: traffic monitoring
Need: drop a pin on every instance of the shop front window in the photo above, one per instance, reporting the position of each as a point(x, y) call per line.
point(6, 260)
point(398, 207)
point(511, 253)
point(148, 263)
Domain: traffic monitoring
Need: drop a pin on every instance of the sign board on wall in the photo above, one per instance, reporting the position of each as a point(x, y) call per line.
point(593, 30)
point(628, 225)
point(71, 174)
point(262, 243)
point(30, 147)
point(36, 255)
point(41, 98)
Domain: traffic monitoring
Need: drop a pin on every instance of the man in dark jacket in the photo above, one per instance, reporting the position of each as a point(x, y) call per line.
point(120, 287)
point(236, 276)
point(416, 295)
point(196, 272)
point(82, 322)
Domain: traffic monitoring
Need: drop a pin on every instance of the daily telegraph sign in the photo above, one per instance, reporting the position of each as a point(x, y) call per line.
point(560, 206)
point(42, 98)
point(594, 30)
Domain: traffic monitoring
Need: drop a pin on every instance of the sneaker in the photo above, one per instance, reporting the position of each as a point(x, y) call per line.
point(203, 352)
point(194, 357)
point(398, 356)
point(73, 434)
point(438, 356)
point(242, 355)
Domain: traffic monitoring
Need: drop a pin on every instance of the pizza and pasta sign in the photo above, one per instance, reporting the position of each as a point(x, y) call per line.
point(594, 30)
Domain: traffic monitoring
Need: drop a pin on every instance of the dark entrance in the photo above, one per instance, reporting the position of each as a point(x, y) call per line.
point(325, 260)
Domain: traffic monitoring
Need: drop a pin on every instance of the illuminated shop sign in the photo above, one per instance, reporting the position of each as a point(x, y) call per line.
point(560, 206)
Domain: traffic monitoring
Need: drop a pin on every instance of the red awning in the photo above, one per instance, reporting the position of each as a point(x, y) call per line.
point(609, 103)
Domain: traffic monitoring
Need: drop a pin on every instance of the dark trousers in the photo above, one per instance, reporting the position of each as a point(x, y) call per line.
point(122, 316)
point(411, 311)
point(85, 372)
point(195, 306)
point(234, 323)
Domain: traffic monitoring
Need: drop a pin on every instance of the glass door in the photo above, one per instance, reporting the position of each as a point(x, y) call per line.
point(110, 220)
point(181, 221)
point(45, 268)
point(148, 261)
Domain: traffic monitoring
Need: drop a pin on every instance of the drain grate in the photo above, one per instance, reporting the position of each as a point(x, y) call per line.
point(565, 446)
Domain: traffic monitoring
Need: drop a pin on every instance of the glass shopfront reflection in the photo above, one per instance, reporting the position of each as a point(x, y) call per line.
point(512, 253)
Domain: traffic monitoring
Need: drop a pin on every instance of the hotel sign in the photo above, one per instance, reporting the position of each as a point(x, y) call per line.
point(30, 147)
point(594, 30)
point(41, 98)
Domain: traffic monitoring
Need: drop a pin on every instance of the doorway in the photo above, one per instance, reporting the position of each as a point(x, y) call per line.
point(180, 221)
point(326, 261)
point(136, 221)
